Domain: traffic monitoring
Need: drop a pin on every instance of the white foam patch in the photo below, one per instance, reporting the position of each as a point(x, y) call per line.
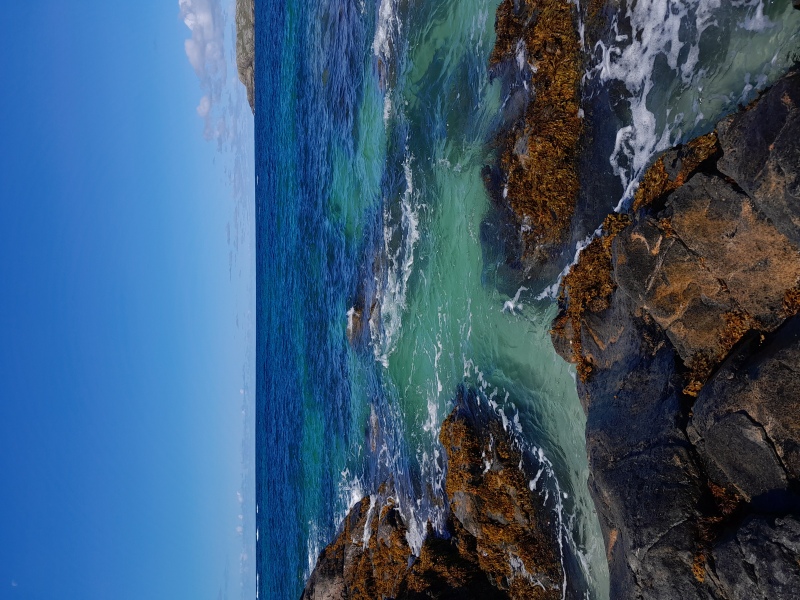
point(313, 548)
point(393, 289)
point(521, 55)
point(656, 28)
point(669, 33)
point(514, 304)
point(387, 27)
point(387, 109)
point(368, 521)
point(754, 20)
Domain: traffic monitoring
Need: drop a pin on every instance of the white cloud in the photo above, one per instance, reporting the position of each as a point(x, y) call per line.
point(223, 109)
point(204, 107)
point(206, 53)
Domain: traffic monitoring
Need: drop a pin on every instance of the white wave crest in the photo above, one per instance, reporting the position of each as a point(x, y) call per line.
point(655, 35)
point(388, 26)
point(393, 286)
point(658, 39)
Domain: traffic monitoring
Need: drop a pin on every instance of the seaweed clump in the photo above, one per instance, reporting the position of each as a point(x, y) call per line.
point(587, 286)
point(500, 541)
point(671, 170)
point(538, 155)
point(490, 499)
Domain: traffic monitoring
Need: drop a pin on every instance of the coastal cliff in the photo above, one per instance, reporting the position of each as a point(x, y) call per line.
point(500, 540)
point(681, 319)
point(246, 48)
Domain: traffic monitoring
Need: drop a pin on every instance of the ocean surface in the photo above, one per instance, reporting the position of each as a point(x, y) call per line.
point(378, 290)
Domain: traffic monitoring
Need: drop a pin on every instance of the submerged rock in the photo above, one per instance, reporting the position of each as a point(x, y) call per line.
point(499, 543)
point(681, 321)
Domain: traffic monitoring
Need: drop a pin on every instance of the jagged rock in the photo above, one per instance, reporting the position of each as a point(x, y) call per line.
point(515, 544)
point(499, 544)
point(760, 560)
point(368, 559)
point(707, 268)
point(681, 324)
point(762, 151)
point(752, 409)
point(246, 48)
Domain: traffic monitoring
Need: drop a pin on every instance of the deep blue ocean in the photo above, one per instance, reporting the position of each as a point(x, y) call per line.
point(379, 290)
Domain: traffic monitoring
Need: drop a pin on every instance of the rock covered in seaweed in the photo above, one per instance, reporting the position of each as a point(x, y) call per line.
point(539, 151)
point(500, 541)
point(681, 321)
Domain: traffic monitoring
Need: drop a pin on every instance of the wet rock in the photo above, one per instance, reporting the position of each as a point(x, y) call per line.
point(499, 541)
point(746, 421)
point(762, 150)
point(689, 364)
point(515, 539)
point(538, 48)
point(708, 268)
point(368, 559)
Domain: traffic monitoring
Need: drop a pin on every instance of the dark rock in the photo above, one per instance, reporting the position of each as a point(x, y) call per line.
point(761, 559)
point(368, 559)
point(515, 539)
point(708, 268)
point(762, 150)
point(681, 324)
point(746, 421)
point(539, 151)
point(246, 48)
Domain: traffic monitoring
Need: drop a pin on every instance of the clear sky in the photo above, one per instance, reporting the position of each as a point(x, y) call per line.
point(125, 285)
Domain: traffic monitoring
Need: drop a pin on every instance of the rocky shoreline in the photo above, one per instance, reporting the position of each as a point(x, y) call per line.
point(500, 540)
point(681, 318)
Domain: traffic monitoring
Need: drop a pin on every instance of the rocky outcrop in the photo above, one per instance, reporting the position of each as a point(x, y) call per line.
point(499, 542)
point(246, 47)
point(539, 149)
point(681, 320)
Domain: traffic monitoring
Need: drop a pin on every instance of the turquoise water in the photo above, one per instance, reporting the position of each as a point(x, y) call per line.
point(373, 124)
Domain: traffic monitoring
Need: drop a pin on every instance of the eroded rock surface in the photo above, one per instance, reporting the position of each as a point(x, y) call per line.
point(500, 542)
point(681, 319)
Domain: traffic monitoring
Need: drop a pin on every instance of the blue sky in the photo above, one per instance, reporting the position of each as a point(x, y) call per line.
point(126, 281)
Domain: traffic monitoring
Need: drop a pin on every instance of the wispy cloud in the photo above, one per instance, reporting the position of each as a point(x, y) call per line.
point(206, 53)
point(223, 108)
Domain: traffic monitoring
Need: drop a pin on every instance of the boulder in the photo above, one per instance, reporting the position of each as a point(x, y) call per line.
point(681, 324)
